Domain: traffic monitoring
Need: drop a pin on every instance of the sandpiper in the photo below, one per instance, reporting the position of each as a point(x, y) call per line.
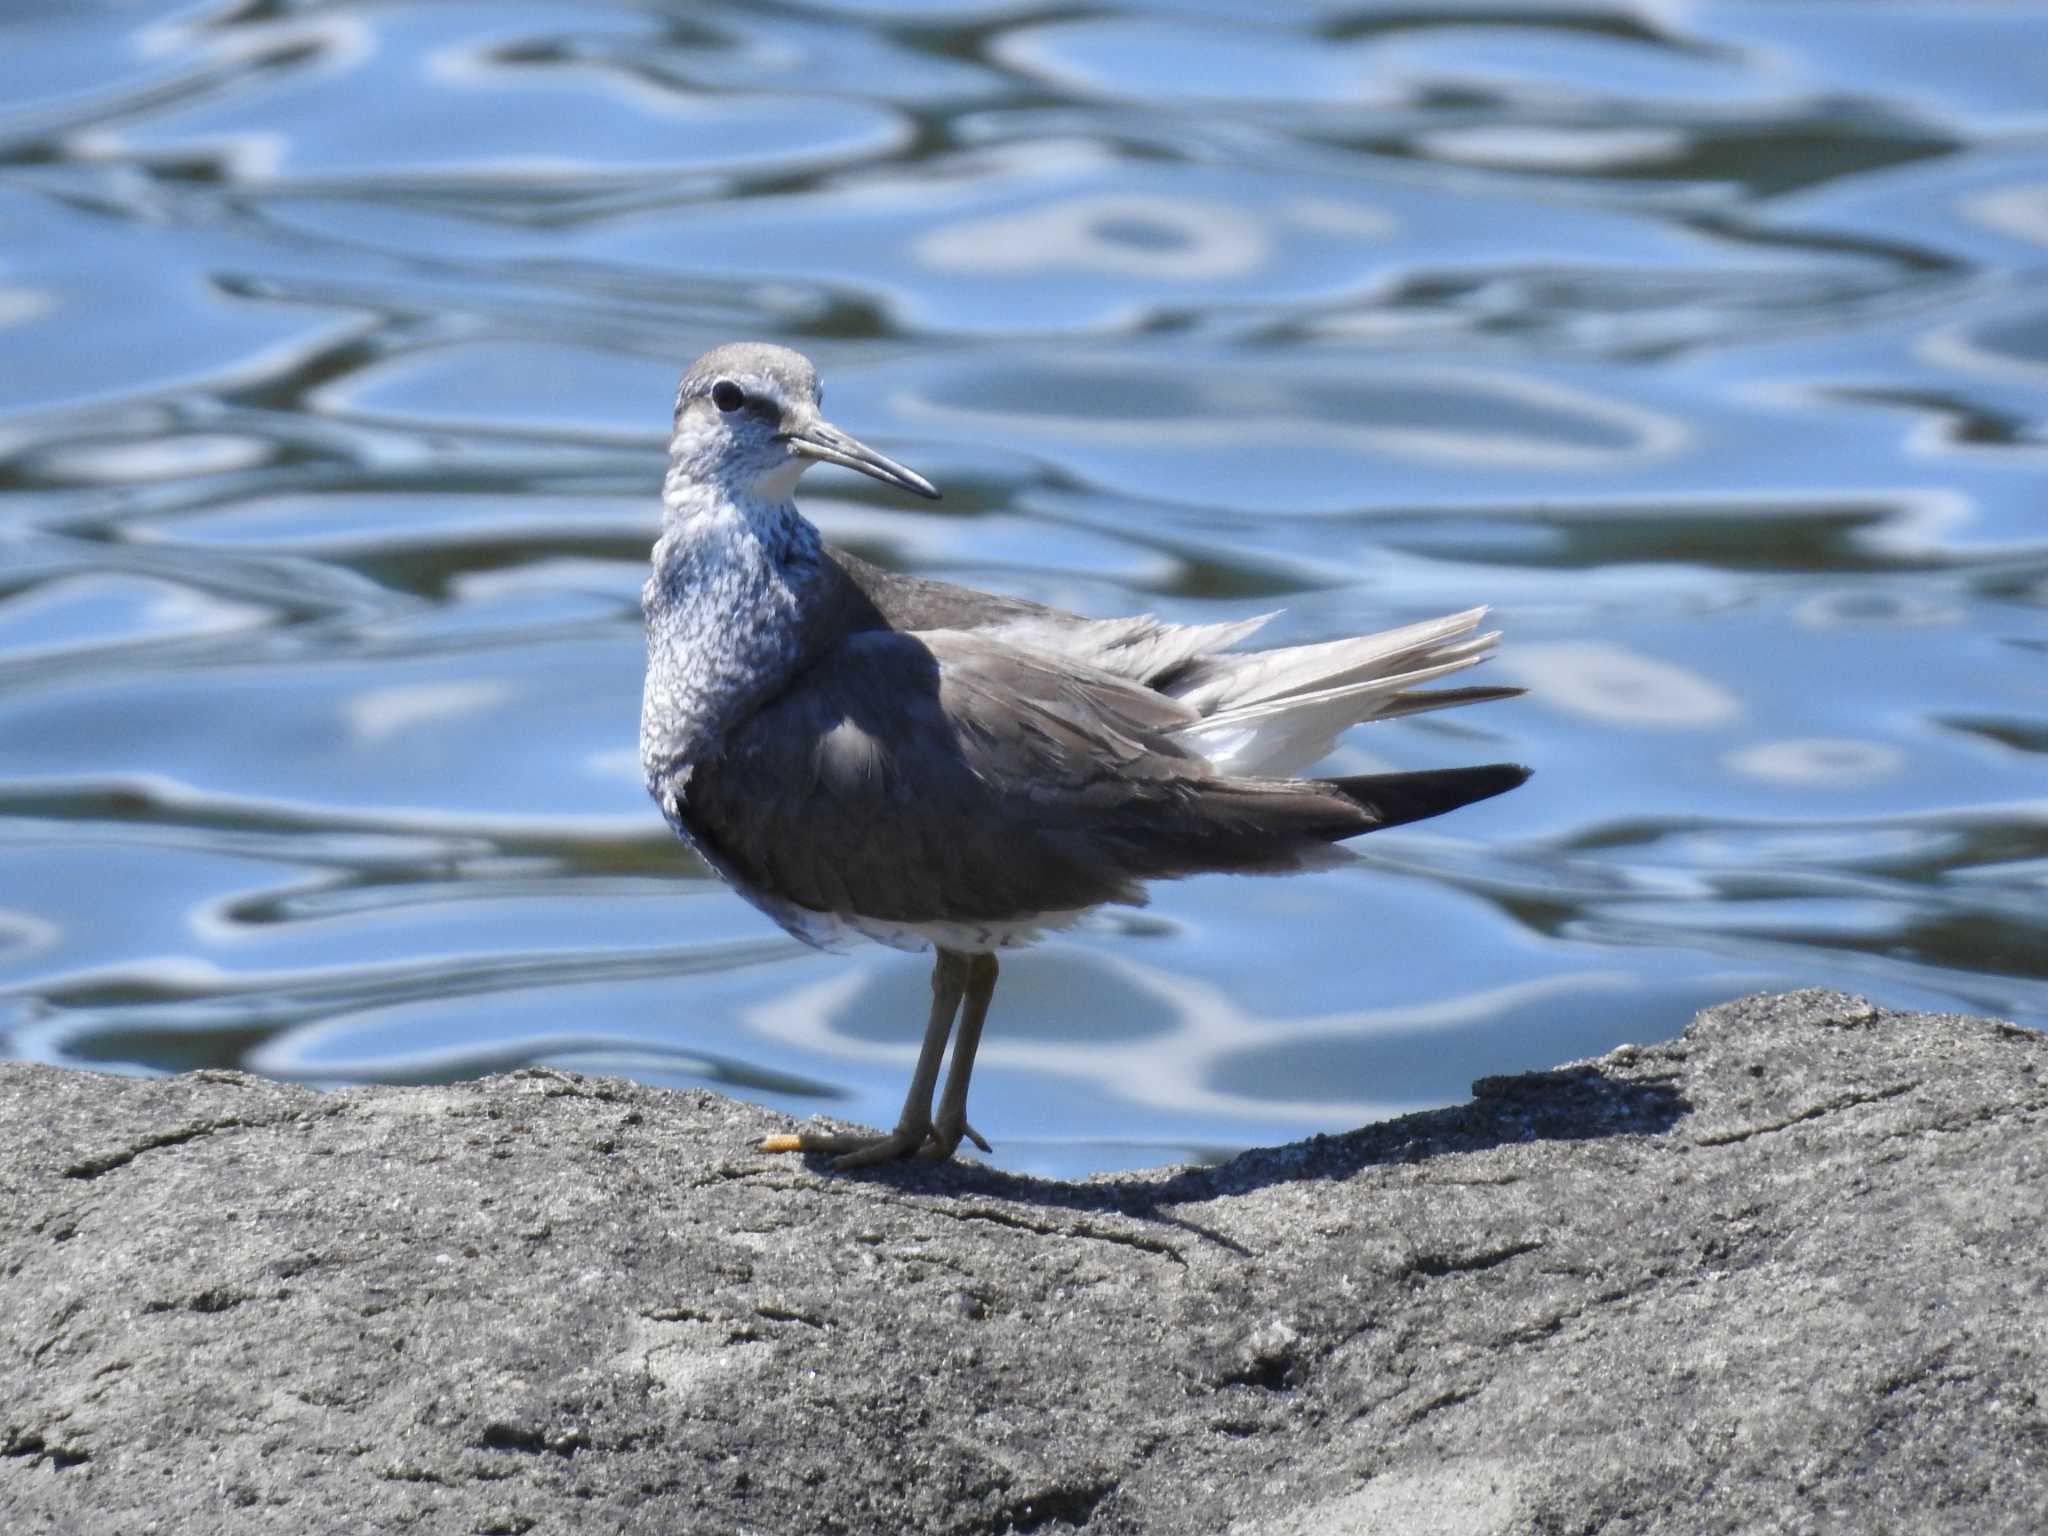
point(863, 754)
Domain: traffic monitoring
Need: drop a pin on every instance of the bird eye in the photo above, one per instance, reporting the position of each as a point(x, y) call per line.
point(728, 396)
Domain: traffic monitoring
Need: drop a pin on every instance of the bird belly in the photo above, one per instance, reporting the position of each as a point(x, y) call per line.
point(969, 938)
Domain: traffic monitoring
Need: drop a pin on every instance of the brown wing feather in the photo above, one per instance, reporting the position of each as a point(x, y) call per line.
point(946, 776)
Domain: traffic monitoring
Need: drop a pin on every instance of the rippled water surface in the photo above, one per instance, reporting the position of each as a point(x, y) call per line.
point(1705, 341)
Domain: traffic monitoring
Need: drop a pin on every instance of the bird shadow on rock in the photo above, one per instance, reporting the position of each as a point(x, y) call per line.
point(1577, 1103)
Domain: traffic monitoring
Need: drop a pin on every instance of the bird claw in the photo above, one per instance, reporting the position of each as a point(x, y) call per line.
point(945, 1140)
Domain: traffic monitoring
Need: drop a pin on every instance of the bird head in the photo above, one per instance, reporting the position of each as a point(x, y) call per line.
point(748, 421)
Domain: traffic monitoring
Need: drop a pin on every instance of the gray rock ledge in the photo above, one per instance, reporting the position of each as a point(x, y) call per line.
point(1784, 1273)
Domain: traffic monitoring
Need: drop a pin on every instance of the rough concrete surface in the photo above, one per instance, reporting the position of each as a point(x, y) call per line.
point(1784, 1273)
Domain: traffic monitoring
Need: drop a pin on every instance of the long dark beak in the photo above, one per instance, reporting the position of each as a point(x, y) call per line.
point(819, 439)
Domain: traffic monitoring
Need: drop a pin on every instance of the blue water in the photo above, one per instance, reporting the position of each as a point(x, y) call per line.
point(1707, 343)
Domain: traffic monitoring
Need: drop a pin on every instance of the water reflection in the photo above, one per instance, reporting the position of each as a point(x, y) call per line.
point(1601, 681)
point(1705, 343)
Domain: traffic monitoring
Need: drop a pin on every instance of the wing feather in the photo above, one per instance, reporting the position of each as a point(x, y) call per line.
point(948, 776)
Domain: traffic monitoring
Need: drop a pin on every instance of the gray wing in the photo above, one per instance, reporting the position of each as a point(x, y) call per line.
point(920, 603)
point(1140, 647)
point(947, 776)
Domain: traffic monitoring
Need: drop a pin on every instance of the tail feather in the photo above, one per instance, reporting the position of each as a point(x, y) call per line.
point(1397, 798)
point(1423, 700)
point(1212, 684)
point(1276, 712)
point(1281, 737)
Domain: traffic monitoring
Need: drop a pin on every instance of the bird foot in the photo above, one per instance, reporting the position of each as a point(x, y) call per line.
point(851, 1151)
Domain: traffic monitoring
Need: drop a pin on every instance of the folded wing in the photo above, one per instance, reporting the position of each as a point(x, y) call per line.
point(947, 775)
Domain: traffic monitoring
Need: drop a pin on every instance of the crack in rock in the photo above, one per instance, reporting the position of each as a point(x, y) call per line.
point(1435, 1264)
point(1846, 1101)
point(30, 1445)
point(1449, 1398)
point(177, 1136)
point(215, 1298)
point(1081, 1229)
point(503, 1435)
